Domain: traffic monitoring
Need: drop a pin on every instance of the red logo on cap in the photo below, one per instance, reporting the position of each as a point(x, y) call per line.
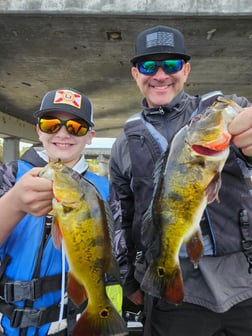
point(68, 97)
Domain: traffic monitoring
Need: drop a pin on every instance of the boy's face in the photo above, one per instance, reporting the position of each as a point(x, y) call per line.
point(62, 145)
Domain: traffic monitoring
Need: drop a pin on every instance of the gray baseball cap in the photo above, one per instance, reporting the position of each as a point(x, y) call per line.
point(160, 40)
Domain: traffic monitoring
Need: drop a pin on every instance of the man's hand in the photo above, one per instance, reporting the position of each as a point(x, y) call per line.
point(137, 297)
point(241, 130)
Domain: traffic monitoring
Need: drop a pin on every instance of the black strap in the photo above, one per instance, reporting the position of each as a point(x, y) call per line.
point(30, 317)
point(246, 241)
point(72, 312)
point(29, 290)
point(71, 316)
point(4, 263)
point(29, 303)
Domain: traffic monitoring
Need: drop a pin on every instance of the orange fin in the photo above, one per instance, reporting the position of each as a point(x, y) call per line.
point(213, 188)
point(106, 322)
point(158, 282)
point(56, 234)
point(76, 291)
point(174, 290)
point(195, 248)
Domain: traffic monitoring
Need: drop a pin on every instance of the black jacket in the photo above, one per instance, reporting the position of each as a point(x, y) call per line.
point(132, 163)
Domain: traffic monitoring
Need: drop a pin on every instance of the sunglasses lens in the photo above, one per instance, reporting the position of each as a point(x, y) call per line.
point(73, 126)
point(169, 66)
point(49, 125)
point(147, 67)
point(77, 127)
point(172, 66)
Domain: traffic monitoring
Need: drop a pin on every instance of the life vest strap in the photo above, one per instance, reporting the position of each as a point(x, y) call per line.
point(11, 291)
point(246, 242)
point(30, 317)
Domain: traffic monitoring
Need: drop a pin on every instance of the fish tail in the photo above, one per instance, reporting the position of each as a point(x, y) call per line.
point(174, 287)
point(103, 322)
point(157, 282)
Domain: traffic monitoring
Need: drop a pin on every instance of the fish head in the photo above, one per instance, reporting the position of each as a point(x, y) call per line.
point(208, 133)
point(66, 182)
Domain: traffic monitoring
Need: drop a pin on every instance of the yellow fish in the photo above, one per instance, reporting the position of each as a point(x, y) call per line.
point(81, 222)
point(187, 179)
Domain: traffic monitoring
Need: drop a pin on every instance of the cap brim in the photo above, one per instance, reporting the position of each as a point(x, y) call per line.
point(39, 113)
point(185, 57)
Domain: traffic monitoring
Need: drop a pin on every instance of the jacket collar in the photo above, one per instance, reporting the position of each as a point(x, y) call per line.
point(175, 106)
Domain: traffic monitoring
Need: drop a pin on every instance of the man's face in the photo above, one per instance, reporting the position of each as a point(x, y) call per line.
point(160, 88)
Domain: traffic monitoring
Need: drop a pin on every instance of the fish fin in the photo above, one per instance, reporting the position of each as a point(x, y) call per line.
point(103, 322)
point(52, 213)
point(56, 234)
point(159, 283)
point(111, 265)
point(152, 283)
point(174, 289)
point(109, 218)
point(195, 248)
point(213, 188)
point(76, 291)
point(113, 270)
point(152, 217)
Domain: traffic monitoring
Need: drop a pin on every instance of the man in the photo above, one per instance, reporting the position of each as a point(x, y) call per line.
point(31, 267)
point(218, 295)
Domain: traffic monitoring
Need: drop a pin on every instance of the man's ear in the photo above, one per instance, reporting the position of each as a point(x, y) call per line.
point(134, 72)
point(187, 70)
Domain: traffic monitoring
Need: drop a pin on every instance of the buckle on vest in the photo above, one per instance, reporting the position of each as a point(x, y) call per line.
point(20, 290)
point(247, 249)
point(247, 244)
point(26, 317)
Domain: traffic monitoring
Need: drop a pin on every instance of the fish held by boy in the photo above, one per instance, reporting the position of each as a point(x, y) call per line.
point(81, 223)
point(186, 180)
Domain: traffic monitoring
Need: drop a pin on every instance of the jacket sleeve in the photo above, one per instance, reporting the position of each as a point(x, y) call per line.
point(122, 205)
point(8, 173)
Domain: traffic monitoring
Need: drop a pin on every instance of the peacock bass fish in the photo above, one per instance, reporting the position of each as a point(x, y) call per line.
point(81, 222)
point(187, 178)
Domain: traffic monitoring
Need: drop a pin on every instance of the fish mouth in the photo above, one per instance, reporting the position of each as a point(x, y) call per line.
point(213, 148)
point(207, 151)
point(202, 150)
